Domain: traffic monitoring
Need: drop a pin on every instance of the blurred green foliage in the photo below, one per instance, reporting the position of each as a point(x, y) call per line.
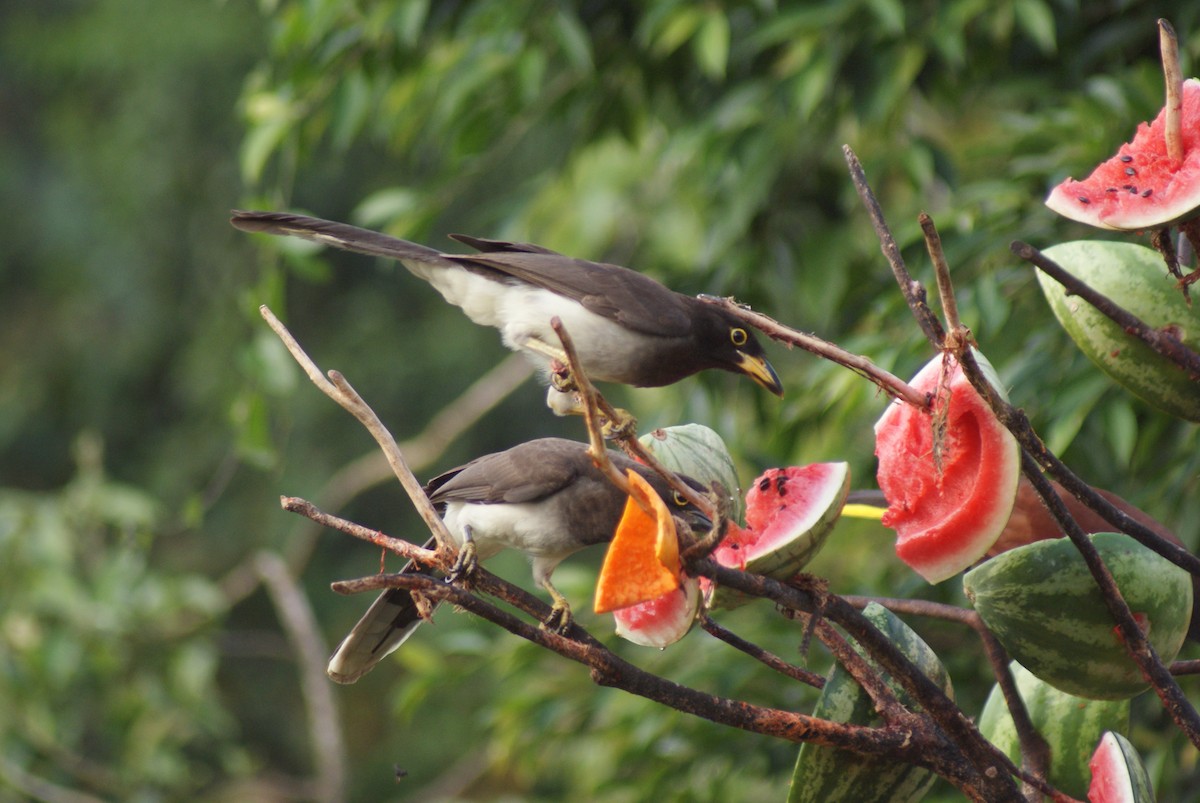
point(148, 422)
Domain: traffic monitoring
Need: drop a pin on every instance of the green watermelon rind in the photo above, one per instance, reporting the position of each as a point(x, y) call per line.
point(700, 453)
point(1147, 211)
point(1070, 725)
point(786, 558)
point(1044, 607)
point(1134, 277)
point(1123, 759)
point(825, 774)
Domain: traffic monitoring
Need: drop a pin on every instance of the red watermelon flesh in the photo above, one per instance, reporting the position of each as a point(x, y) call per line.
point(1141, 187)
point(946, 519)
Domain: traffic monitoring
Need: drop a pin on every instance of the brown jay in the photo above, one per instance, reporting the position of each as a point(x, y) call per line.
point(545, 498)
point(627, 327)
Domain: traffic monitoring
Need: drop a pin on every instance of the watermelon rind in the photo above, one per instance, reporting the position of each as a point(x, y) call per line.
point(825, 774)
point(1134, 277)
point(782, 555)
point(1042, 604)
point(944, 523)
point(1140, 187)
point(1070, 725)
point(1118, 774)
point(644, 625)
point(700, 453)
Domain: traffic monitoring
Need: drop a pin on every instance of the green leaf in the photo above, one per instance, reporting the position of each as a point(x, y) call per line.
point(711, 44)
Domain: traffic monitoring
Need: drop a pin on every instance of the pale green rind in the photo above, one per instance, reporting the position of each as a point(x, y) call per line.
point(1044, 607)
point(700, 453)
point(1135, 278)
point(1070, 725)
point(1128, 770)
point(826, 774)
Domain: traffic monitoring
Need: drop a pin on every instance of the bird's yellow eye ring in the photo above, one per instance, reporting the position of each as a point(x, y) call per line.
point(738, 336)
point(679, 499)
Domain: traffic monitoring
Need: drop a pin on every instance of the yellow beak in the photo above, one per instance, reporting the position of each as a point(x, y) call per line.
point(758, 369)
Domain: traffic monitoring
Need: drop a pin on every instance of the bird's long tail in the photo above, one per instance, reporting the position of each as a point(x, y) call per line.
point(339, 235)
point(387, 624)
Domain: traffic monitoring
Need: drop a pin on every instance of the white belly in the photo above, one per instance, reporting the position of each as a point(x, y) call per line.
point(521, 312)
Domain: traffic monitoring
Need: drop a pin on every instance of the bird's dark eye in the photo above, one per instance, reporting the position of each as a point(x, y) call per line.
point(738, 336)
point(679, 499)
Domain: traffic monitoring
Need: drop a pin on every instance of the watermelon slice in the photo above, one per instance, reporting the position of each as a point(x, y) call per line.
point(1141, 187)
point(946, 517)
point(789, 514)
point(1118, 775)
point(662, 621)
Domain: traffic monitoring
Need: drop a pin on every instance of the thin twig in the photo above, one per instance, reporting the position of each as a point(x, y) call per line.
point(890, 384)
point(595, 406)
point(769, 659)
point(1168, 44)
point(405, 549)
point(913, 291)
point(933, 244)
point(339, 389)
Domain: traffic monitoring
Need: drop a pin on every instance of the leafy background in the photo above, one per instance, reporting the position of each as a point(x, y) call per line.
point(148, 422)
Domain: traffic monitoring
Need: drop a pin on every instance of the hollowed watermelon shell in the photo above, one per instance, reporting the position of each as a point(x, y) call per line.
point(1141, 187)
point(946, 520)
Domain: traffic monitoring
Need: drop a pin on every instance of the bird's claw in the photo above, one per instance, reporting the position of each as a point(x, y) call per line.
point(621, 425)
point(561, 378)
point(560, 619)
point(465, 563)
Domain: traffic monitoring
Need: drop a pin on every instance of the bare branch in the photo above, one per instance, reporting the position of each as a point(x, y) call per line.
point(338, 388)
point(756, 652)
point(325, 734)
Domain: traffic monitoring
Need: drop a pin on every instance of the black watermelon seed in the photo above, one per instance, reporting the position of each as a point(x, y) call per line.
point(1129, 171)
point(1111, 189)
point(1147, 193)
point(1083, 199)
point(1126, 159)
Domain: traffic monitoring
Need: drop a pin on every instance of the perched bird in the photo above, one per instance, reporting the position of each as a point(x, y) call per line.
point(545, 498)
point(627, 327)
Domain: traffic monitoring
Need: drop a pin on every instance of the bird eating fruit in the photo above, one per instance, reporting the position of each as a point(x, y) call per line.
point(545, 498)
point(627, 327)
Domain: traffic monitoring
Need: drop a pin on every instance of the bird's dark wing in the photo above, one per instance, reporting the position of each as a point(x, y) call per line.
point(499, 246)
point(636, 301)
point(525, 473)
